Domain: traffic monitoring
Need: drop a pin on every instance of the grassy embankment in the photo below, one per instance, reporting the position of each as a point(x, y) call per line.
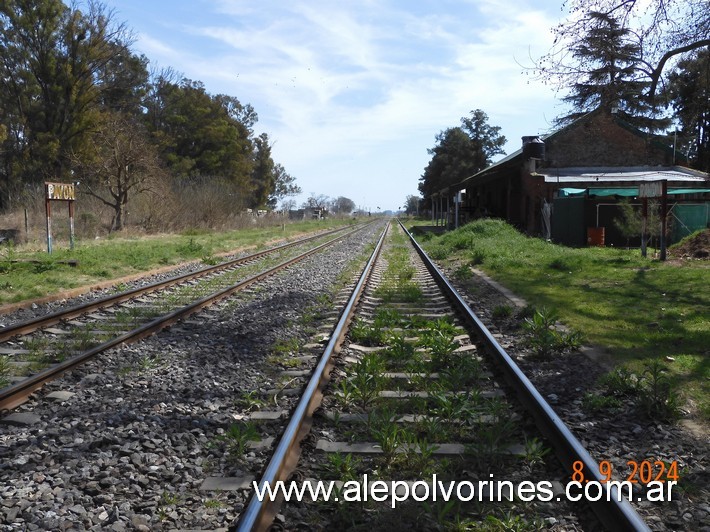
point(118, 256)
point(637, 309)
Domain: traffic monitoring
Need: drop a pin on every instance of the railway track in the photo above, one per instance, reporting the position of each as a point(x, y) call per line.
point(412, 385)
point(136, 438)
point(399, 378)
point(49, 345)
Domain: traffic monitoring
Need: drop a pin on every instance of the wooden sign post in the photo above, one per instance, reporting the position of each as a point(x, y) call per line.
point(654, 189)
point(59, 192)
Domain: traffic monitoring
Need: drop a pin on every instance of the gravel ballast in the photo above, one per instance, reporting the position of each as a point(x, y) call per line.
point(146, 425)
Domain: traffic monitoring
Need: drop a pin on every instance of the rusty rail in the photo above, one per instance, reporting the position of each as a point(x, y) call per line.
point(259, 514)
point(16, 394)
point(53, 318)
point(614, 514)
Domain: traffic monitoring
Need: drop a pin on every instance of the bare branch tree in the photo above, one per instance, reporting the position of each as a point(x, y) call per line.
point(314, 201)
point(124, 164)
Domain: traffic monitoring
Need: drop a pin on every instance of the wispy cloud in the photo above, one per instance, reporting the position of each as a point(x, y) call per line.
point(370, 83)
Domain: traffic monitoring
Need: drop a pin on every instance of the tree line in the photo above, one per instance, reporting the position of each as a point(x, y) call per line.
point(634, 57)
point(78, 105)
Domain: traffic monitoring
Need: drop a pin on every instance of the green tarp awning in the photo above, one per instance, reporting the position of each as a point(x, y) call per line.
point(626, 192)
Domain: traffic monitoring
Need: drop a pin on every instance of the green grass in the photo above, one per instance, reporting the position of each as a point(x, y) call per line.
point(117, 256)
point(639, 309)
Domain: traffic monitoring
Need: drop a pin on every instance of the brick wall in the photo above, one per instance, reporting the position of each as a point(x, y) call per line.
point(600, 141)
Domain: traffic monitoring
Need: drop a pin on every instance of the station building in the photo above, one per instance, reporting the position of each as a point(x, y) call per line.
point(566, 186)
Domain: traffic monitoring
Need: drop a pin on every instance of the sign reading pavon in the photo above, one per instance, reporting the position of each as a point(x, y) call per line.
point(60, 191)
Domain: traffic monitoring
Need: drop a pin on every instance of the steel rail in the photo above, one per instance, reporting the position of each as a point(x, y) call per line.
point(259, 514)
point(616, 513)
point(53, 318)
point(14, 395)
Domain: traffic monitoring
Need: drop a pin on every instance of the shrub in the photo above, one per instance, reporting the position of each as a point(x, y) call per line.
point(477, 256)
point(544, 338)
point(658, 398)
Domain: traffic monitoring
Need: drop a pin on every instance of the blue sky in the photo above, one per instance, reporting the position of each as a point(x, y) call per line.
point(353, 93)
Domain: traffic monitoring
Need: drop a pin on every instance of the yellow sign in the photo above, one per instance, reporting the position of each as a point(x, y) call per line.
point(60, 191)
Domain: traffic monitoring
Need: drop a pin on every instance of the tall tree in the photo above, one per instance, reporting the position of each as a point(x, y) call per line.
point(262, 176)
point(242, 113)
point(461, 152)
point(450, 162)
point(284, 186)
point(269, 181)
point(609, 75)
point(316, 201)
point(667, 28)
point(51, 58)
point(486, 139)
point(689, 93)
point(124, 81)
point(342, 205)
point(411, 205)
point(198, 134)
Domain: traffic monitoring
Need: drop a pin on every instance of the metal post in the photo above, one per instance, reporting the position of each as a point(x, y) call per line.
point(456, 221)
point(664, 207)
point(48, 208)
point(71, 224)
point(448, 210)
point(644, 222)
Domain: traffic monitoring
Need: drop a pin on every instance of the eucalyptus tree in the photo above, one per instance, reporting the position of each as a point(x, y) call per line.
point(262, 177)
point(284, 186)
point(411, 205)
point(270, 182)
point(51, 60)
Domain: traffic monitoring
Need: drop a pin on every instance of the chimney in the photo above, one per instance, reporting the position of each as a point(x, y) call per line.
point(533, 150)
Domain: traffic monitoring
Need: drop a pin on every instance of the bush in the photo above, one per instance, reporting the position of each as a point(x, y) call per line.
point(439, 252)
point(545, 339)
point(658, 398)
point(477, 257)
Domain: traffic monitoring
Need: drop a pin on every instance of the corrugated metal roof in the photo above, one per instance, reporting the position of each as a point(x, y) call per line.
point(622, 174)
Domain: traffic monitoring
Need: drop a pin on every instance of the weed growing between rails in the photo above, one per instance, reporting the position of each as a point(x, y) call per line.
point(412, 385)
point(5, 371)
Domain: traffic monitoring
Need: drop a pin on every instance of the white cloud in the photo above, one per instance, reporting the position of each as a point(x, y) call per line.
point(371, 85)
